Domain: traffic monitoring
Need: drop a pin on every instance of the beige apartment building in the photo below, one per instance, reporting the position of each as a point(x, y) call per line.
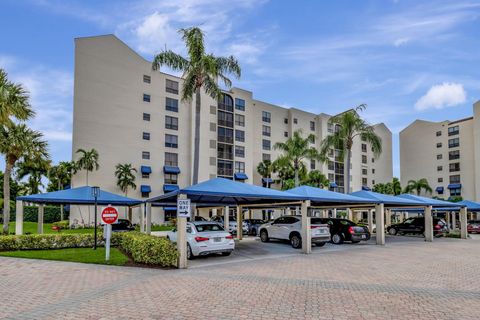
point(131, 114)
point(446, 153)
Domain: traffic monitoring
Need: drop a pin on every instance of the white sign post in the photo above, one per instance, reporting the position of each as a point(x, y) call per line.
point(183, 212)
point(109, 216)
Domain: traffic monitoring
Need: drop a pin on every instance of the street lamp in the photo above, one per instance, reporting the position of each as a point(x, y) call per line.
point(95, 194)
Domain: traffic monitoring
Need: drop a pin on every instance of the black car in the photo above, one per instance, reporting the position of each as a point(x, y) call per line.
point(345, 230)
point(122, 225)
point(417, 226)
point(253, 225)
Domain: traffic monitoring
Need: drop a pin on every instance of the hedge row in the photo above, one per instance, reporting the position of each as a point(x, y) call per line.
point(50, 214)
point(148, 249)
point(46, 241)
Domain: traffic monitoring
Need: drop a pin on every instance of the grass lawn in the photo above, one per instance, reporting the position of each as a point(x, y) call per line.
point(84, 255)
point(31, 227)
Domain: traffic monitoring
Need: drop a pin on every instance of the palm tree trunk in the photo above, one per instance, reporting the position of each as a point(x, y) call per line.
point(347, 171)
point(296, 175)
point(196, 153)
point(6, 196)
point(87, 177)
point(61, 206)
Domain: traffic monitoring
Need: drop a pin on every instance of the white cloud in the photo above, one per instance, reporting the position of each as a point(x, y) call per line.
point(441, 96)
point(400, 42)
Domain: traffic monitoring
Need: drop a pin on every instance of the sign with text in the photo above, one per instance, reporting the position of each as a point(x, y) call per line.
point(109, 215)
point(183, 208)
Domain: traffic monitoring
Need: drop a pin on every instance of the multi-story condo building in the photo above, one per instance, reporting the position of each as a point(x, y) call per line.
point(131, 114)
point(446, 153)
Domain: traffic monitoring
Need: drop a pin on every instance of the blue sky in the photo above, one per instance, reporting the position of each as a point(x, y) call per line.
point(404, 59)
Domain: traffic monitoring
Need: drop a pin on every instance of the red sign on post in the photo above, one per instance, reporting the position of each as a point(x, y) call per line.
point(109, 215)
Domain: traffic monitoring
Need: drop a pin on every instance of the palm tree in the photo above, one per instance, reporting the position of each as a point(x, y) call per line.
point(35, 169)
point(418, 186)
point(13, 101)
point(295, 150)
point(350, 125)
point(125, 175)
point(60, 176)
point(265, 169)
point(18, 142)
point(200, 71)
point(88, 161)
point(396, 186)
point(316, 178)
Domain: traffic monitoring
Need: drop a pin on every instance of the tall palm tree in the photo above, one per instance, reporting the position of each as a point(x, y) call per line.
point(14, 101)
point(18, 142)
point(60, 176)
point(396, 186)
point(200, 71)
point(34, 169)
point(265, 169)
point(125, 175)
point(88, 161)
point(350, 126)
point(295, 150)
point(418, 186)
point(317, 179)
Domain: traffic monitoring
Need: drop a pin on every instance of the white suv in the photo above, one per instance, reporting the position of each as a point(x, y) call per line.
point(289, 228)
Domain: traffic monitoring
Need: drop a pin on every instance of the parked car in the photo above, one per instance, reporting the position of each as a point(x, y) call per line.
point(232, 224)
point(122, 225)
point(253, 225)
point(199, 218)
point(289, 228)
point(205, 237)
point(342, 230)
point(416, 225)
point(473, 226)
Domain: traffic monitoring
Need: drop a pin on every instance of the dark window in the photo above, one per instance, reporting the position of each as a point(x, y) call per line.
point(312, 125)
point(147, 79)
point(439, 144)
point(295, 120)
point(364, 181)
point(453, 130)
point(239, 135)
point(171, 123)
point(240, 120)
point(266, 131)
point(171, 141)
point(439, 133)
point(455, 178)
point(439, 168)
point(146, 97)
point(145, 155)
point(225, 119)
point(285, 120)
point(364, 147)
point(240, 151)
point(330, 127)
point(146, 116)
point(313, 139)
point(313, 164)
point(225, 103)
point(452, 143)
point(364, 158)
point(145, 175)
point(145, 194)
point(225, 135)
point(439, 156)
point(146, 136)
point(457, 192)
point(373, 170)
point(331, 165)
point(373, 160)
point(440, 179)
point(364, 171)
point(171, 159)
point(285, 134)
point(266, 116)
point(240, 166)
point(171, 178)
point(453, 155)
point(171, 104)
point(454, 167)
point(225, 151)
point(224, 168)
point(171, 86)
point(240, 104)
point(266, 156)
point(266, 145)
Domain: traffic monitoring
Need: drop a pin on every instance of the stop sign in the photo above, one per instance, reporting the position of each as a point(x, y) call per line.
point(109, 215)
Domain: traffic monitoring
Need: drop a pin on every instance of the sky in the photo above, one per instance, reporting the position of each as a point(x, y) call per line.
point(406, 60)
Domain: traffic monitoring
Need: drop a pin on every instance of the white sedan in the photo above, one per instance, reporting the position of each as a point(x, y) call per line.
point(205, 237)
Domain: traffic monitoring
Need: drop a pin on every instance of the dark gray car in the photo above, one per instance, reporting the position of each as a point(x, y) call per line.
point(253, 225)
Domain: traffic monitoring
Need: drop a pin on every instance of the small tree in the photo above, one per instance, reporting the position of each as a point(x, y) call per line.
point(14, 101)
point(417, 186)
point(316, 178)
point(125, 175)
point(265, 169)
point(88, 161)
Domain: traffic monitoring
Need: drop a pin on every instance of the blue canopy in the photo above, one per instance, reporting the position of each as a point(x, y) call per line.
point(221, 191)
point(171, 169)
point(80, 195)
point(428, 201)
point(471, 205)
point(327, 197)
point(240, 176)
point(146, 169)
point(145, 188)
point(170, 187)
point(386, 199)
point(455, 186)
point(439, 190)
point(267, 180)
point(333, 185)
point(365, 188)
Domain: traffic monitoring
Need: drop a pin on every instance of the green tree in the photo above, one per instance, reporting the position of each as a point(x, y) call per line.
point(88, 161)
point(60, 175)
point(396, 186)
point(125, 175)
point(316, 178)
point(417, 186)
point(265, 169)
point(14, 101)
point(295, 150)
point(34, 170)
point(200, 71)
point(18, 142)
point(349, 125)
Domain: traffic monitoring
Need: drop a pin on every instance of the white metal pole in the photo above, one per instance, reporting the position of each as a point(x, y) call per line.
point(107, 241)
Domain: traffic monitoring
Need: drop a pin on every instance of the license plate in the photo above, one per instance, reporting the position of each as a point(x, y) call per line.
point(217, 239)
point(364, 236)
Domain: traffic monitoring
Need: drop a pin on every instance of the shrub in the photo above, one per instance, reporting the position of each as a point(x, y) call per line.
point(46, 241)
point(64, 224)
point(50, 214)
point(143, 248)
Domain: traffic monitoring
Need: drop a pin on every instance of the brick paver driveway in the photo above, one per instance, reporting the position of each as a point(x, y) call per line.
point(403, 280)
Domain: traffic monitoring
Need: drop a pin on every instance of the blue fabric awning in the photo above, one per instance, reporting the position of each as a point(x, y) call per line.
point(386, 199)
point(170, 188)
point(170, 208)
point(327, 197)
point(428, 201)
point(471, 206)
point(170, 169)
point(364, 188)
point(80, 195)
point(240, 176)
point(333, 185)
point(439, 189)
point(146, 169)
point(267, 180)
point(145, 188)
point(454, 186)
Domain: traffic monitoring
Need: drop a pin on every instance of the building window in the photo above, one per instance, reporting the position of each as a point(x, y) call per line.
point(457, 192)
point(240, 166)
point(145, 155)
point(330, 127)
point(147, 79)
point(225, 135)
point(146, 136)
point(171, 123)
point(373, 170)
point(364, 171)
point(171, 159)
point(440, 179)
point(439, 156)
point(313, 139)
point(240, 135)
point(266, 116)
point(240, 151)
point(171, 104)
point(225, 119)
point(266, 157)
point(171, 86)
point(439, 133)
point(453, 143)
point(455, 178)
point(364, 147)
point(373, 160)
point(285, 134)
point(439, 168)
point(373, 181)
point(171, 178)
point(364, 159)
point(225, 168)
point(266, 131)
point(331, 165)
point(240, 120)
point(439, 144)
point(225, 151)
point(171, 141)
point(312, 125)
point(266, 144)
point(145, 194)
point(146, 97)
point(313, 164)
point(240, 104)
point(453, 155)
point(145, 175)
point(454, 167)
point(146, 116)
point(453, 130)
point(295, 120)
point(285, 120)
point(364, 181)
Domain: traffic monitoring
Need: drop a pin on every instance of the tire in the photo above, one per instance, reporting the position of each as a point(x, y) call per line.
point(264, 236)
point(320, 244)
point(296, 241)
point(337, 238)
point(392, 231)
point(254, 232)
point(226, 254)
point(190, 255)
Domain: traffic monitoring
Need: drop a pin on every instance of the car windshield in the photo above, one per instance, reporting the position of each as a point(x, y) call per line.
point(317, 221)
point(256, 221)
point(409, 220)
point(208, 227)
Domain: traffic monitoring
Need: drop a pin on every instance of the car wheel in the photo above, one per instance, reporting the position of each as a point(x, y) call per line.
point(392, 231)
point(296, 241)
point(254, 232)
point(264, 236)
point(337, 238)
point(320, 244)
point(190, 255)
point(226, 254)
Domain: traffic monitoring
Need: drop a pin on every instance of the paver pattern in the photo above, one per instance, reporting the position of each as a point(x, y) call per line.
point(403, 280)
